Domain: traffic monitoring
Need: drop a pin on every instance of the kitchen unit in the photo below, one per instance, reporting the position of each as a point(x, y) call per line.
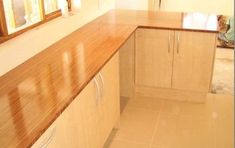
point(90, 118)
point(175, 63)
point(71, 89)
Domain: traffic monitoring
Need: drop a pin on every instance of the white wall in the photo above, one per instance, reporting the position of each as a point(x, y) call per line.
point(225, 7)
point(21, 48)
point(207, 6)
point(132, 4)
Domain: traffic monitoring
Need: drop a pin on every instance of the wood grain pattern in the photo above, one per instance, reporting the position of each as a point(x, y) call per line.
point(108, 113)
point(193, 59)
point(186, 64)
point(35, 93)
point(154, 57)
point(68, 130)
point(87, 122)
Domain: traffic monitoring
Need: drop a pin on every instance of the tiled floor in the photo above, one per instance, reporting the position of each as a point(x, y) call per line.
point(155, 123)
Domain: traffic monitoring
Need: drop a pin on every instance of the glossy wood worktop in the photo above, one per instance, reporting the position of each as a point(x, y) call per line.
point(160, 19)
point(35, 93)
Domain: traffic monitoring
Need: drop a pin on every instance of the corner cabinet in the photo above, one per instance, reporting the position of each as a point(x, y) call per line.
point(172, 63)
point(89, 119)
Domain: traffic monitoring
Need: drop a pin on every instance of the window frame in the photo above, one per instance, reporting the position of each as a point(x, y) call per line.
point(4, 35)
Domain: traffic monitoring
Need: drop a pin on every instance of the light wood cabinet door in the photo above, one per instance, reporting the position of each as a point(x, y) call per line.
point(193, 60)
point(70, 128)
point(154, 57)
point(89, 119)
point(100, 124)
point(110, 102)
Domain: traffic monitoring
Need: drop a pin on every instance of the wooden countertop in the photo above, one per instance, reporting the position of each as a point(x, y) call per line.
point(165, 20)
point(35, 93)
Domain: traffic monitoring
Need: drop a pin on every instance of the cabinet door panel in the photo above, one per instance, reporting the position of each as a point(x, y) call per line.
point(88, 120)
point(110, 102)
point(70, 128)
point(154, 57)
point(193, 60)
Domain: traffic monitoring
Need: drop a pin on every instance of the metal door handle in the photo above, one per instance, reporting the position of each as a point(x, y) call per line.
point(97, 90)
point(178, 42)
point(169, 41)
point(102, 81)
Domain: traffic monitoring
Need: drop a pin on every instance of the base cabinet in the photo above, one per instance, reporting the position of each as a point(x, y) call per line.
point(154, 57)
point(89, 119)
point(193, 60)
point(174, 62)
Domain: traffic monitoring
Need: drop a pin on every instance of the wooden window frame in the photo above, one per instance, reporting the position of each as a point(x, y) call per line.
point(4, 36)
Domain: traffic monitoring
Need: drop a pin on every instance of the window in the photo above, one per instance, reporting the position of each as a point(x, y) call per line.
point(17, 16)
point(51, 6)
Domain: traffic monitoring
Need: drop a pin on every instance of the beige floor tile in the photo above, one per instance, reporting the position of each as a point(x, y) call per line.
point(224, 134)
point(166, 131)
point(177, 124)
point(175, 131)
point(146, 103)
point(155, 146)
point(137, 125)
point(188, 108)
point(125, 144)
point(224, 108)
point(172, 107)
point(224, 104)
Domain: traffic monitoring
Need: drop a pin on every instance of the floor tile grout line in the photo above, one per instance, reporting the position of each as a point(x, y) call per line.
point(156, 125)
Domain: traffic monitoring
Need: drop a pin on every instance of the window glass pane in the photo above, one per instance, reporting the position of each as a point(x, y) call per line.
point(51, 6)
point(21, 13)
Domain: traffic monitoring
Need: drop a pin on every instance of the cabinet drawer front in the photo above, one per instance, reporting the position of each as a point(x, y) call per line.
point(154, 57)
point(193, 60)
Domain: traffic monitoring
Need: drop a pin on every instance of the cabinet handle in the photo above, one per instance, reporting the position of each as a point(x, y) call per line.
point(102, 81)
point(178, 40)
point(49, 139)
point(97, 90)
point(169, 41)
